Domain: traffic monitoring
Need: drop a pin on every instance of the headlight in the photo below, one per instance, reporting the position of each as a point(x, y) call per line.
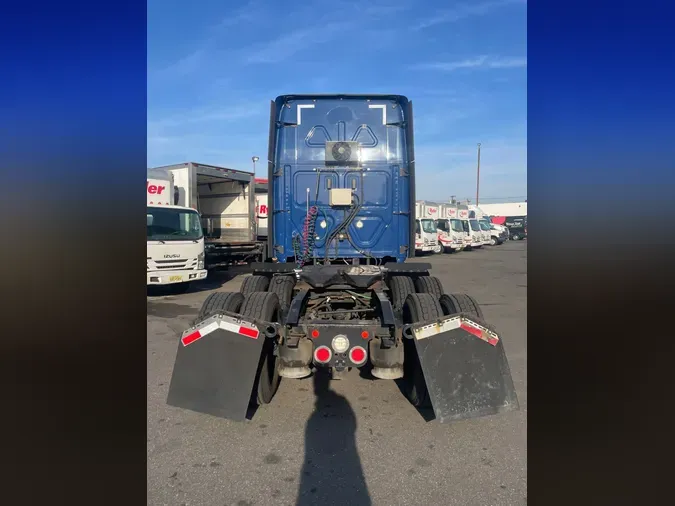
point(200, 261)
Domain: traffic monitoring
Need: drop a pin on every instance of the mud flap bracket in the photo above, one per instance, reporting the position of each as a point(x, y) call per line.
point(216, 365)
point(464, 367)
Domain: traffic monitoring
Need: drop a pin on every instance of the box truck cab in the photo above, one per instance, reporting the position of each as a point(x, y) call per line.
point(175, 239)
point(426, 236)
point(483, 229)
point(474, 237)
point(451, 234)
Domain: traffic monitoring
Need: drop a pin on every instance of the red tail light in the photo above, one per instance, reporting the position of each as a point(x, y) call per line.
point(358, 355)
point(323, 354)
point(365, 334)
point(315, 334)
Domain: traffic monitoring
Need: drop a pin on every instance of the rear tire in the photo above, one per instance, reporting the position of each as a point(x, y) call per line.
point(283, 287)
point(400, 287)
point(460, 303)
point(418, 307)
point(254, 284)
point(429, 284)
point(264, 306)
point(516, 237)
point(220, 301)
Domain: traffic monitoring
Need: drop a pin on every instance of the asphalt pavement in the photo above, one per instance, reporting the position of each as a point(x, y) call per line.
point(353, 441)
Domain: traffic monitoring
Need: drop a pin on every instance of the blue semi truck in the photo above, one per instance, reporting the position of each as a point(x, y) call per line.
point(335, 290)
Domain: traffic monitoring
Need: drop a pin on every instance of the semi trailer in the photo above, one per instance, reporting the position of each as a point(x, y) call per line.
point(336, 290)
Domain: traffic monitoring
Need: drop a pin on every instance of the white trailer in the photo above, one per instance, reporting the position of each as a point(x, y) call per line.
point(261, 209)
point(225, 200)
point(175, 240)
point(505, 209)
point(426, 235)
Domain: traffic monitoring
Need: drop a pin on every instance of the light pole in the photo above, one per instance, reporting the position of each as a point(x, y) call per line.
point(478, 174)
point(255, 159)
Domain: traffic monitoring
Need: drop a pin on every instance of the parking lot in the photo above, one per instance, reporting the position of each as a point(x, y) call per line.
point(357, 442)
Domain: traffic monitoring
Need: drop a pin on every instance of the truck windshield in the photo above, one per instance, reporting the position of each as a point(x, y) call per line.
point(474, 225)
point(428, 226)
point(167, 224)
point(443, 225)
point(456, 225)
point(484, 225)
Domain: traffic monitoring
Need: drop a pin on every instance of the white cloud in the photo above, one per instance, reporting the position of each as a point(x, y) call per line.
point(472, 63)
point(463, 11)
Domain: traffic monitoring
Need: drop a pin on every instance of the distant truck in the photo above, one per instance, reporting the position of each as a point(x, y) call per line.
point(471, 227)
point(225, 199)
point(426, 237)
point(451, 233)
point(175, 240)
point(517, 226)
point(491, 235)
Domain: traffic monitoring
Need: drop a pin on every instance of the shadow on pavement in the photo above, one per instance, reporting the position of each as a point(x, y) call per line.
point(331, 472)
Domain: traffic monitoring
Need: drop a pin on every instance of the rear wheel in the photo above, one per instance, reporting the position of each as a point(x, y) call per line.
point(418, 307)
point(254, 284)
point(516, 236)
point(429, 284)
point(264, 306)
point(283, 287)
point(400, 287)
point(460, 303)
point(220, 301)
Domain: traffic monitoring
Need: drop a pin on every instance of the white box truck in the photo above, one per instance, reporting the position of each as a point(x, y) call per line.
point(426, 236)
point(175, 240)
point(261, 209)
point(225, 199)
point(451, 234)
point(471, 227)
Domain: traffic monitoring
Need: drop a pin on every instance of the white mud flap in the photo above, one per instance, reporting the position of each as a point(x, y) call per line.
point(216, 366)
point(465, 368)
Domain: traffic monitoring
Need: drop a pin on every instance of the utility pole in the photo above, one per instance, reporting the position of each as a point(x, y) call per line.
point(478, 175)
point(255, 159)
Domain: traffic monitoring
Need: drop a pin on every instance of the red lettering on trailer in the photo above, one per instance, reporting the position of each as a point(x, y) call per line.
point(263, 210)
point(154, 189)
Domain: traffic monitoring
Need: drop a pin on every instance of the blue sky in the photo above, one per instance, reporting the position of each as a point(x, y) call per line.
point(214, 66)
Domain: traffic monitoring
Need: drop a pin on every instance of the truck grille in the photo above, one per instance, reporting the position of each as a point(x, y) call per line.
point(174, 264)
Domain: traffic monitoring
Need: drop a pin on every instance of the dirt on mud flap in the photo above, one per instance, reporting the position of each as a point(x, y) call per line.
point(216, 365)
point(464, 367)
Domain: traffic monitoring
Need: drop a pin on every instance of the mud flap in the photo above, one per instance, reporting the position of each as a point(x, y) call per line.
point(465, 368)
point(216, 365)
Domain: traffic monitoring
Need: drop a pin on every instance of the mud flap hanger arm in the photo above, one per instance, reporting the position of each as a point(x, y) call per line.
point(464, 321)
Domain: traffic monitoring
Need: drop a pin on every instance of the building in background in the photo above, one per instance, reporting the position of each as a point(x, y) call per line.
point(506, 209)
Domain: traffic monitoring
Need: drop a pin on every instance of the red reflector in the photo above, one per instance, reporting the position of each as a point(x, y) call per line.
point(357, 355)
point(472, 330)
point(322, 354)
point(365, 334)
point(315, 334)
point(248, 332)
point(191, 338)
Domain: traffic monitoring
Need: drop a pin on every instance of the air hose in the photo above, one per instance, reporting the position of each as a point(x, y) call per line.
point(303, 244)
